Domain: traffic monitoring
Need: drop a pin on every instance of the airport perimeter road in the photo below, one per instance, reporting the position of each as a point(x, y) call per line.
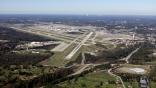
point(127, 61)
point(80, 70)
point(129, 56)
point(56, 34)
point(70, 55)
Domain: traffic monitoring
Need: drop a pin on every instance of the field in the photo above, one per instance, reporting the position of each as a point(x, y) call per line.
point(152, 84)
point(133, 84)
point(91, 80)
point(24, 57)
point(58, 58)
point(11, 34)
point(144, 55)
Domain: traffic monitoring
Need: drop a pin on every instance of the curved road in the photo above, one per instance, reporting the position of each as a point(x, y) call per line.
point(127, 61)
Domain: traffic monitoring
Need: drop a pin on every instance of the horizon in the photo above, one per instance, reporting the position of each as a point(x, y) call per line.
point(79, 15)
point(79, 7)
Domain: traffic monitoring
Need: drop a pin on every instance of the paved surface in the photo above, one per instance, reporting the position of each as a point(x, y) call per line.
point(61, 47)
point(118, 78)
point(72, 53)
point(129, 56)
point(85, 67)
point(81, 70)
point(127, 61)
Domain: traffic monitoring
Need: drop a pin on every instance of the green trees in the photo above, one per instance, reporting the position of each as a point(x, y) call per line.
point(152, 74)
point(143, 55)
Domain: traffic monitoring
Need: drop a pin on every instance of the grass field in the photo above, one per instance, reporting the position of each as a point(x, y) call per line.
point(133, 84)
point(91, 48)
point(58, 58)
point(152, 84)
point(91, 80)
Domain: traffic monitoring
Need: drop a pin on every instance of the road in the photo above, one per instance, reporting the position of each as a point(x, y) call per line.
point(127, 61)
point(61, 47)
point(72, 53)
point(93, 39)
point(85, 67)
point(83, 59)
point(117, 77)
point(129, 56)
point(80, 70)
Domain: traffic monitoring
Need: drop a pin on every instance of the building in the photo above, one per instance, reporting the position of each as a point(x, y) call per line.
point(144, 83)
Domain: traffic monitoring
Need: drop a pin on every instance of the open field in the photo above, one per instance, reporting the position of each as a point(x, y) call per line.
point(133, 69)
point(61, 47)
point(91, 80)
point(152, 84)
point(24, 57)
point(133, 84)
point(14, 35)
point(58, 58)
point(145, 55)
point(77, 52)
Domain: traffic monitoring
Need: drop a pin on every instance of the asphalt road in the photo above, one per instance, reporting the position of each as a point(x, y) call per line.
point(129, 56)
point(72, 53)
point(127, 61)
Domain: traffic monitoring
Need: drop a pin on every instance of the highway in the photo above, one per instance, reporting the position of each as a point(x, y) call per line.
point(63, 35)
point(70, 55)
point(61, 47)
point(84, 68)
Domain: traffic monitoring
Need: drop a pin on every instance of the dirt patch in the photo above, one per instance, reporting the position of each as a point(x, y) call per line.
point(133, 69)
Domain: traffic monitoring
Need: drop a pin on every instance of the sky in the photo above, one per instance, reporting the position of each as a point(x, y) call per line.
point(95, 7)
